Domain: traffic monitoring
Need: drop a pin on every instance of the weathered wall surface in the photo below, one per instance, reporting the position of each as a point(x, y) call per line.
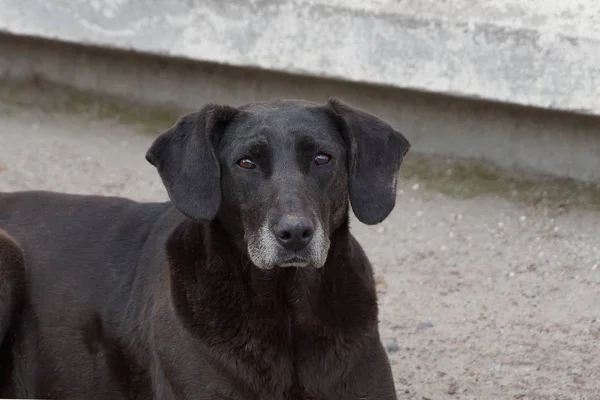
point(536, 53)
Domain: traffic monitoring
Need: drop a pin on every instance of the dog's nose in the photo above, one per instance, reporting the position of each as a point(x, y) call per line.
point(293, 232)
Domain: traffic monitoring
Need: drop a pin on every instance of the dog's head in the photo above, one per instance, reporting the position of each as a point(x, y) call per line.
point(278, 175)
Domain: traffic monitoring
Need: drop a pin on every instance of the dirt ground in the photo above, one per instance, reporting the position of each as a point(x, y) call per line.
point(486, 291)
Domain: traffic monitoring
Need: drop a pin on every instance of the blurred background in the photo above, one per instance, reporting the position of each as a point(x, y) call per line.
point(488, 269)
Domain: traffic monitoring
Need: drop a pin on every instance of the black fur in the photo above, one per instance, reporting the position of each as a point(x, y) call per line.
point(107, 298)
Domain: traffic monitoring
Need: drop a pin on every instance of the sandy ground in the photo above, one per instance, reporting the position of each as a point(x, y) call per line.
point(480, 299)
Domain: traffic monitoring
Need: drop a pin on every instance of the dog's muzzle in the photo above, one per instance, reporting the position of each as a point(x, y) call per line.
point(293, 241)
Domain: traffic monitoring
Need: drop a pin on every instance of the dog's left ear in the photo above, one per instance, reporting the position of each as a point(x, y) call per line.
point(376, 152)
point(186, 161)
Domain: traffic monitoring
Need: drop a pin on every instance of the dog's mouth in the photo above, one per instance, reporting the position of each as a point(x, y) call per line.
point(297, 262)
point(289, 262)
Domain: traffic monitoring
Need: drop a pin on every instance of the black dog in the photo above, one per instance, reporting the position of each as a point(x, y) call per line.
point(247, 285)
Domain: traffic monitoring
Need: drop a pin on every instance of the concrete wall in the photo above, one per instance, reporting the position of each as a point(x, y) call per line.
point(551, 142)
point(535, 53)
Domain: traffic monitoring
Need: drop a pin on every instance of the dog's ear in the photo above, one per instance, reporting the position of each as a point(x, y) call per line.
point(186, 161)
point(376, 152)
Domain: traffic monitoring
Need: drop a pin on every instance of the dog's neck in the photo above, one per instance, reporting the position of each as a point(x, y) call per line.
point(211, 279)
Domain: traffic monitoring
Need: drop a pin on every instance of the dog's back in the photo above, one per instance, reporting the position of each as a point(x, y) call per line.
point(68, 268)
point(84, 238)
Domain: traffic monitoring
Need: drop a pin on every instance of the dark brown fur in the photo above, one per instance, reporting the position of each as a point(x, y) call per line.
point(107, 298)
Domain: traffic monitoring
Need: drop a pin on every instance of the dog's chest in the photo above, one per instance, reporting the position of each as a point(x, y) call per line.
point(286, 352)
point(288, 363)
point(282, 335)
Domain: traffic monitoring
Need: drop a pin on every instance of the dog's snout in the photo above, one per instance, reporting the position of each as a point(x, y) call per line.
point(293, 232)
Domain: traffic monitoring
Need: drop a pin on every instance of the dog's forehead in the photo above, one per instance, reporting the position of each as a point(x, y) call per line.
point(282, 121)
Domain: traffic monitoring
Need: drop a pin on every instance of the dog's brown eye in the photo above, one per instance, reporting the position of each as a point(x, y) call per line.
point(322, 159)
point(246, 163)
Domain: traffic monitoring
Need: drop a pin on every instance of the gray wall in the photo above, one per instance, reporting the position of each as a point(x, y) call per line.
point(535, 53)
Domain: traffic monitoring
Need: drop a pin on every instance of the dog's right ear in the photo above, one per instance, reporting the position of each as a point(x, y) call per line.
point(187, 163)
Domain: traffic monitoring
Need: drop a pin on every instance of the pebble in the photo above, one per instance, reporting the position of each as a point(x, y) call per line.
point(576, 371)
point(415, 186)
point(424, 325)
point(391, 346)
point(595, 267)
point(458, 217)
point(495, 367)
point(451, 389)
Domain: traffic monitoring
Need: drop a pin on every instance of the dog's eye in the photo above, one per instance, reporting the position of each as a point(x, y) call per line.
point(322, 159)
point(246, 163)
